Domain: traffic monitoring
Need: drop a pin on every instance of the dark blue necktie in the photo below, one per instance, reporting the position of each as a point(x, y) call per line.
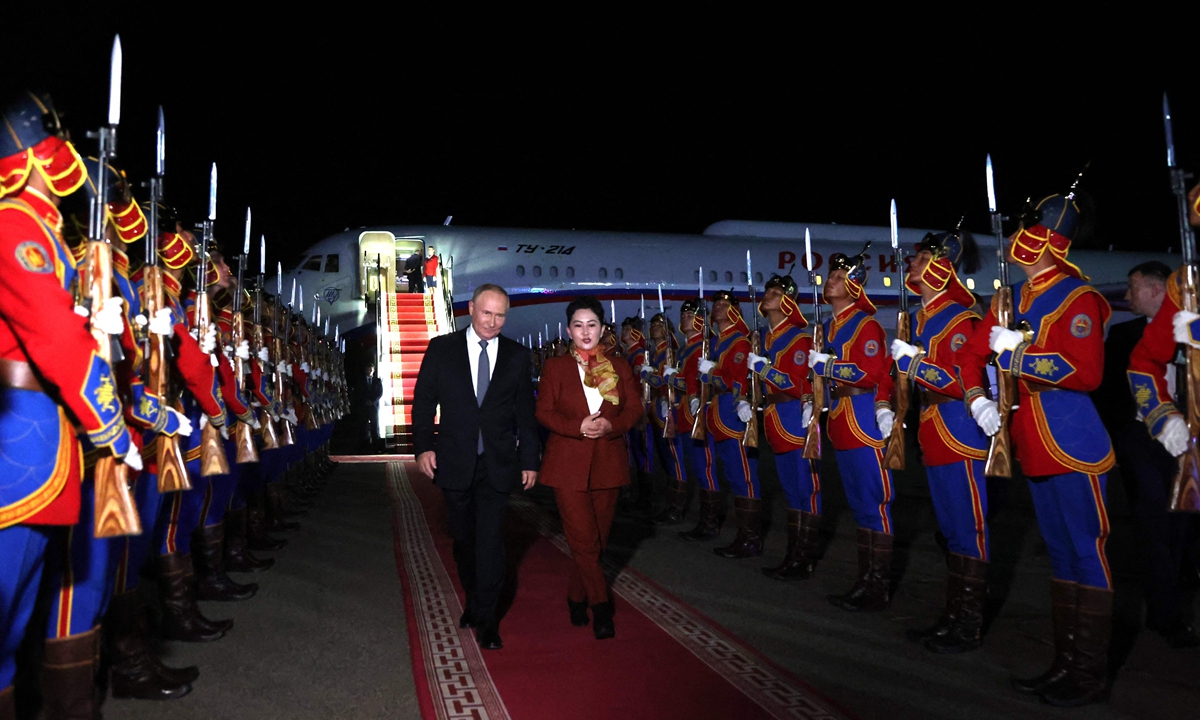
point(482, 378)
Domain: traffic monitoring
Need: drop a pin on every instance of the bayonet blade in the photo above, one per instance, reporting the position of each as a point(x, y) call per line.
point(262, 255)
point(246, 243)
point(991, 185)
point(895, 227)
point(292, 302)
point(661, 308)
point(749, 270)
point(114, 84)
point(1170, 133)
point(212, 193)
point(808, 252)
point(278, 281)
point(448, 219)
point(160, 146)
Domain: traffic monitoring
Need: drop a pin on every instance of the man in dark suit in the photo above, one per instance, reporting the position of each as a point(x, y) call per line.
point(486, 444)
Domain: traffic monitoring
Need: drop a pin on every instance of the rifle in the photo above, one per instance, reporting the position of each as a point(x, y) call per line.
point(243, 433)
point(116, 513)
point(647, 394)
point(168, 455)
point(285, 437)
point(999, 457)
point(893, 458)
point(669, 429)
point(1185, 489)
point(750, 438)
point(212, 449)
point(812, 442)
point(289, 435)
point(270, 432)
point(699, 429)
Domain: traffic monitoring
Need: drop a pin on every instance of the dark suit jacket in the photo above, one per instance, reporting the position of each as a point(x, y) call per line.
point(1113, 399)
point(510, 436)
point(573, 461)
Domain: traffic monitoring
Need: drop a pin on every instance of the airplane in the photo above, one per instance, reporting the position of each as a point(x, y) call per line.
point(544, 269)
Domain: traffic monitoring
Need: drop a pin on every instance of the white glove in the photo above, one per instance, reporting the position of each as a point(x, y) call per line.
point(1002, 339)
point(694, 405)
point(744, 413)
point(815, 357)
point(110, 319)
point(287, 369)
point(885, 418)
point(304, 366)
point(134, 458)
point(757, 363)
point(663, 408)
point(902, 349)
point(162, 323)
point(986, 414)
point(291, 416)
point(254, 423)
point(81, 311)
point(243, 350)
point(185, 425)
point(228, 352)
point(1174, 436)
point(1182, 320)
point(643, 371)
point(208, 342)
point(264, 354)
point(140, 320)
point(224, 432)
point(706, 365)
point(668, 371)
point(806, 414)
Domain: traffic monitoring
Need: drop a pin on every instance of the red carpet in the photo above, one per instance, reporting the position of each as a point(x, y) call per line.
point(667, 660)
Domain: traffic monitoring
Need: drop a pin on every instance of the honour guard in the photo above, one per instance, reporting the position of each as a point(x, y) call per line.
point(857, 363)
point(49, 367)
point(641, 437)
point(1058, 437)
point(726, 417)
point(670, 449)
point(953, 447)
point(788, 407)
point(702, 453)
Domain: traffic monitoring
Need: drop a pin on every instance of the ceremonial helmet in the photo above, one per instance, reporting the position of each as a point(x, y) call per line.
point(787, 305)
point(635, 325)
point(1051, 223)
point(734, 312)
point(32, 138)
point(696, 306)
point(950, 250)
point(173, 249)
point(122, 210)
point(856, 276)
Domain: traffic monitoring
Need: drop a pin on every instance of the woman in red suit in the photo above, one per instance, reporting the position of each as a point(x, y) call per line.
point(588, 403)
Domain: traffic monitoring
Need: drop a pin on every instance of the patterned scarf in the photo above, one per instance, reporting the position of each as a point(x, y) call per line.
point(598, 372)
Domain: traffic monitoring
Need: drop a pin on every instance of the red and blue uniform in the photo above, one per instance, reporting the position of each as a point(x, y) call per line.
point(786, 388)
point(641, 437)
point(729, 384)
point(671, 450)
point(687, 383)
point(953, 447)
point(1056, 432)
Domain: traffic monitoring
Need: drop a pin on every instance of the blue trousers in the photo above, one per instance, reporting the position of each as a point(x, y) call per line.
point(672, 454)
point(1073, 520)
point(801, 481)
point(78, 572)
point(137, 547)
point(182, 513)
point(868, 487)
point(22, 556)
point(959, 492)
point(222, 487)
point(641, 444)
point(740, 467)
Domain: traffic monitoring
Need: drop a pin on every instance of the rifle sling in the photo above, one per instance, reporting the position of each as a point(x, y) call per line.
point(17, 374)
point(843, 391)
point(778, 399)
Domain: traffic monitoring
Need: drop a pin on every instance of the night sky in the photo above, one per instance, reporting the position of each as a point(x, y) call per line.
point(641, 126)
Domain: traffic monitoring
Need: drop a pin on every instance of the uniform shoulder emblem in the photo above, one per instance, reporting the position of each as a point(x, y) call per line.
point(739, 357)
point(1081, 325)
point(957, 341)
point(33, 257)
point(800, 358)
point(871, 348)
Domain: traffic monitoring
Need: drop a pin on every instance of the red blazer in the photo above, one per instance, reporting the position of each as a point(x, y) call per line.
point(571, 460)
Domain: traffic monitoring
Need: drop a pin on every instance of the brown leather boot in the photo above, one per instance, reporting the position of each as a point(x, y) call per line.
point(863, 536)
point(792, 555)
point(802, 559)
point(676, 499)
point(136, 670)
point(1063, 601)
point(953, 597)
point(257, 537)
point(181, 618)
point(1087, 674)
point(966, 632)
point(8, 704)
point(748, 542)
point(238, 557)
point(709, 526)
point(69, 678)
point(872, 592)
point(208, 556)
point(275, 516)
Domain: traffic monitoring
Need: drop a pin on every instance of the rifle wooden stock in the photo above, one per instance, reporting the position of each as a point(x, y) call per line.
point(282, 435)
point(812, 441)
point(116, 513)
point(168, 455)
point(999, 457)
point(243, 434)
point(750, 437)
point(699, 428)
point(669, 428)
point(893, 457)
point(212, 449)
point(1185, 490)
point(270, 432)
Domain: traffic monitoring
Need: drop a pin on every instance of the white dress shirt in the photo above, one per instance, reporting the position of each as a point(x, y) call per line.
point(594, 399)
point(473, 351)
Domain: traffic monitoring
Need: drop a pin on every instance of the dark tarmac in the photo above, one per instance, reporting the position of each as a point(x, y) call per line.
point(326, 637)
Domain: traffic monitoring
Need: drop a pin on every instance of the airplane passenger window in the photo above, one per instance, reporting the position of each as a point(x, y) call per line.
point(712, 275)
point(331, 262)
point(619, 274)
point(553, 271)
point(603, 274)
point(728, 276)
point(520, 271)
point(744, 280)
point(313, 263)
point(757, 275)
point(570, 271)
point(537, 270)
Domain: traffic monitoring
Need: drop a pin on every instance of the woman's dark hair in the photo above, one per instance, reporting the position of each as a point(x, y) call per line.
point(585, 302)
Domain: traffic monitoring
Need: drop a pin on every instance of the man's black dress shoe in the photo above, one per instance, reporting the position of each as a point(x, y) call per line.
point(488, 637)
point(467, 620)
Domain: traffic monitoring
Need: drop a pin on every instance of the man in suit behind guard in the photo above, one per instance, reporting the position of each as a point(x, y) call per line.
point(486, 443)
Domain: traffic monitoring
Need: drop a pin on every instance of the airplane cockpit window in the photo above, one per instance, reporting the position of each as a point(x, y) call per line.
point(537, 270)
point(619, 274)
point(313, 263)
point(520, 271)
point(331, 263)
point(603, 274)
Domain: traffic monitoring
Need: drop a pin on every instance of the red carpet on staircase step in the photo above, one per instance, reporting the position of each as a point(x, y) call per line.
point(667, 661)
